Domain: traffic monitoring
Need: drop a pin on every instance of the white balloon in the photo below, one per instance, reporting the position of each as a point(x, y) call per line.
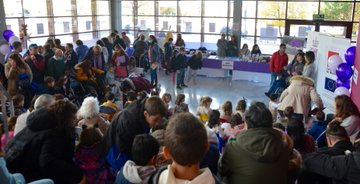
point(4, 49)
point(14, 39)
point(342, 91)
point(333, 63)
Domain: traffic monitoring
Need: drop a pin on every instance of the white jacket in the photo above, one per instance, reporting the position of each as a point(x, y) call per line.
point(168, 176)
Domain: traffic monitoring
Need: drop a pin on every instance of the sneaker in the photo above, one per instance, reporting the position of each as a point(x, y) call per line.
point(178, 87)
point(183, 85)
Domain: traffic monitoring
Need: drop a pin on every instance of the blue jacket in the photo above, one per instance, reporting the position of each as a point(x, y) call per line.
point(81, 52)
point(317, 129)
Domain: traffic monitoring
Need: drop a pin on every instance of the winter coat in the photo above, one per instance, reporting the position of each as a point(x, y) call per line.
point(221, 48)
point(121, 42)
point(277, 62)
point(317, 132)
point(82, 76)
point(49, 153)
point(132, 173)
point(13, 76)
point(343, 168)
point(55, 68)
point(70, 59)
point(81, 51)
point(195, 63)
point(232, 49)
point(37, 68)
point(258, 156)
point(140, 48)
point(180, 62)
point(90, 56)
point(299, 95)
point(154, 53)
point(48, 55)
point(168, 50)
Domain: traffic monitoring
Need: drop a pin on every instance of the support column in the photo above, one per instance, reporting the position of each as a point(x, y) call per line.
point(115, 15)
point(237, 20)
point(74, 21)
point(50, 14)
point(94, 19)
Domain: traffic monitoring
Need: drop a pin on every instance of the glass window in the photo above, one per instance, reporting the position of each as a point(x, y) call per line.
point(127, 7)
point(63, 25)
point(146, 23)
point(210, 41)
point(32, 9)
point(300, 30)
point(296, 10)
point(191, 40)
point(190, 8)
point(357, 12)
point(249, 40)
point(83, 7)
point(65, 9)
point(248, 9)
point(66, 38)
point(215, 25)
point(127, 22)
point(84, 24)
point(167, 24)
point(271, 9)
point(103, 22)
point(103, 34)
point(86, 36)
point(38, 41)
point(231, 9)
point(102, 8)
point(190, 24)
point(167, 8)
point(337, 10)
point(336, 31)
point(13, 25)
point(146, 7)
point(269, 30)
point(38, 26)
point(216, 8)
point(248, 27)
point(355, 31)
point(12, 8)
point(268, 46)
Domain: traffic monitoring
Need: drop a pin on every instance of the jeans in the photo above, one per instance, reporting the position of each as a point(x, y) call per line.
point(275, 87)
point(153, 76)
point(273, 77)
point(192, 75)
point(180, 76)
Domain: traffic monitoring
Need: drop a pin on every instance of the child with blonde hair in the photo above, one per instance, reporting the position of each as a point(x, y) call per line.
point(204, 109)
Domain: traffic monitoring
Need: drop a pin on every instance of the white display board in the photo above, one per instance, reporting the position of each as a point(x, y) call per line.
point(325, 46)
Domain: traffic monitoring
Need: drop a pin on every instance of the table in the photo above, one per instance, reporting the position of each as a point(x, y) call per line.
point(242, 70)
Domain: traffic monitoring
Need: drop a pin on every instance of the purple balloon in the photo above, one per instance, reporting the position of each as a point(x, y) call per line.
point(340, 83)
point(7, 34)
point(350, 55)
point(344, 72)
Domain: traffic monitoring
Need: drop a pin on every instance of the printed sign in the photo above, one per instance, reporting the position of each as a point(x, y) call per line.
point(227, 65)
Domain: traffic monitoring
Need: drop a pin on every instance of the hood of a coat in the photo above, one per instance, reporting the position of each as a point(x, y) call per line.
point(300, 79)
point(263, 144)
point(40, 119)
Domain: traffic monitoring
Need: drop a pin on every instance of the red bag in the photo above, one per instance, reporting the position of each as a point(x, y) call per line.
point(121, 72)
point(141, 84)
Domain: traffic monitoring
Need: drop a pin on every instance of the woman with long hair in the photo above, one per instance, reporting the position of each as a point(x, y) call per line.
point(302, 142)
point(309, 67)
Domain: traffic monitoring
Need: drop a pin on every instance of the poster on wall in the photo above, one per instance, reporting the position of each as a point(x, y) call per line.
point(326, 47)
point(355, 87)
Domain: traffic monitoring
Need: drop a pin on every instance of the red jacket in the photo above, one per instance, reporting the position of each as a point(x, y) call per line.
point(277, 62)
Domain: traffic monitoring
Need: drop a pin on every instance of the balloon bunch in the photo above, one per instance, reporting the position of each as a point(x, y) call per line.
point(343, 70)
point(10, 37)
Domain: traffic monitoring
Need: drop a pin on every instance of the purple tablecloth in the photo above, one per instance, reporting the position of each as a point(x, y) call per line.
point(238, 65)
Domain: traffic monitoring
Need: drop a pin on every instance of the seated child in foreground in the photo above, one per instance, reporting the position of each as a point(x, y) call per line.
point(186, 144)
point(144, 152)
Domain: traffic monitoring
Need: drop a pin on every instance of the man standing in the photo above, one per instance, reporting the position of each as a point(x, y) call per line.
point(17, 50)
point(277, 62)
point(168, 54)
point(126, 39)
point(36, 63)
point(259, 155)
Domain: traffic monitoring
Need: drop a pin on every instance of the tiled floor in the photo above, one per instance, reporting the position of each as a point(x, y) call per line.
point(219, 89)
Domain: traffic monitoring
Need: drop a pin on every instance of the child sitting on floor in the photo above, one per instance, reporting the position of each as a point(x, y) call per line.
point(236, 126)
point(204, 109)
point(180, 105)
point(18, 101)
point(144, 151)
point(241, 107)
point(226, 111)
point(273, 105)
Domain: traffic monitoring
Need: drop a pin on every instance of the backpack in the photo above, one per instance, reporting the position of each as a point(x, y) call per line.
point(14, 150)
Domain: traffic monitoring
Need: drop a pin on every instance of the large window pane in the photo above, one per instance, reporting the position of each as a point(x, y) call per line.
point(190, 8)
point(38, 41)
point(210, 41)
point(13, 25)
point(190, 24)
point(83, 7)
point(167, 8)
point(103, 22)
point(127, 22)
point(231, 9)
point(192, 40)
point(32, 9)
point(215, 25)
point(337, 10)
point(357, 12)
point(63, 25)
point(301, 30)
point(355, 31)
point(271, 9)
point(167, 24)
point(103, 8)
point(146, 7)
point(268, 46)
point(336, 31)
point(269, 30)
point(296, 10)
point(127, 7)
point(85, 36)
point(104, 34)
point(248, 27)
point(84, 24)
point(216, 8)
point(248, 9)
point(38, 26)
point(65, 39)
point(65, 9)
point(12, 8)
point(146, 23)
point(248, 40)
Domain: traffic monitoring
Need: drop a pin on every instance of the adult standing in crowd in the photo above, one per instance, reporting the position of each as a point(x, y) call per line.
point(221, 46)
point(296, 67)
point(232, 49)
point(126, 39)
point(70, 56)
point(194, 63)
point(96, 57)
point(104, 50)
point(49, 153)
point(348, 114)
point(49, 53)
point(154, 59)
point(58, 45)
point(179, 41)
point(56, 66)
point(17, 50)
point(168, 46)
point(120, 41)
point(81, 50)
point(278, 61)
point(109, 46)
point(309, 68)
point(259, 155)
point(299, 95)
point(139, 50)
point(36, 63)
